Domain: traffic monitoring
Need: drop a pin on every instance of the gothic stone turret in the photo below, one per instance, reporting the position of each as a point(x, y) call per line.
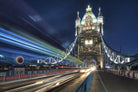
point(89, 47)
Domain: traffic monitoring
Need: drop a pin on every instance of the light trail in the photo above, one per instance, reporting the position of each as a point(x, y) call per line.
point(44, 48)
point(23, 43)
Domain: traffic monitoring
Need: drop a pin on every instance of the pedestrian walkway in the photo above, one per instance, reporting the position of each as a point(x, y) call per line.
point(96, 85)
point(108, 82)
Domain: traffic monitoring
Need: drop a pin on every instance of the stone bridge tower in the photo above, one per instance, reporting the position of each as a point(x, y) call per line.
point(89, 45)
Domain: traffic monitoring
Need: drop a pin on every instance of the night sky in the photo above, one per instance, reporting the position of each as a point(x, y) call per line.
point(120, 20)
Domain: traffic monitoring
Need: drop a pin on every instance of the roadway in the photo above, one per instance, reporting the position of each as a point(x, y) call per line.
point(107, 82)
point(59, 83)
point(71, 85)
point(16, 86)
point(101, 82)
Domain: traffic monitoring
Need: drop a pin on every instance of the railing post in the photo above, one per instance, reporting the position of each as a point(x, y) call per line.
point(133, 74)
point(86, 84)
point(30, 74)
point(19, 75)
point(3, 77)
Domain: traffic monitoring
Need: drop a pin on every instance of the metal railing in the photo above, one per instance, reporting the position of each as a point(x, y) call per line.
point(125, 73)
point(85, 85)
point(11, 75)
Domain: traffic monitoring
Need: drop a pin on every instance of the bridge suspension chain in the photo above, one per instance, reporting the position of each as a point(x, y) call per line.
point(67, 52)
point(60, 57)
point(114, 56)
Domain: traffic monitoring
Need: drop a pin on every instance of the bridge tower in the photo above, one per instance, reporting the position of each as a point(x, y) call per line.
point(89, 46)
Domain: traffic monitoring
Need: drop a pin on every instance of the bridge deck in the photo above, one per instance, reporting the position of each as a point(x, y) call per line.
point(107, 82)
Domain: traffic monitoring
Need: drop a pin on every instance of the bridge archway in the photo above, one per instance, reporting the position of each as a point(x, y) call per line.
point(89, 62)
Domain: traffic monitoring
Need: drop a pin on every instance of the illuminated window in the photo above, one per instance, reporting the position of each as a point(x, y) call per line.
point(88, 42)
point(82, 40)
point(96, 40)
point(93, 27)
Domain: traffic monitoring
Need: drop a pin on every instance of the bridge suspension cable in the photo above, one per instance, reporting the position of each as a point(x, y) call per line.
point(67, 52)
point(115, 56)
point(60, 56)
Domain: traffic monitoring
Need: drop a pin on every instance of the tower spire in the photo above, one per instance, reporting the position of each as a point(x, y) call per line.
point(78, 17)
point(100, 21)
point(77, 13)
point(100, 13)
point(88, 9)
point(77, 24)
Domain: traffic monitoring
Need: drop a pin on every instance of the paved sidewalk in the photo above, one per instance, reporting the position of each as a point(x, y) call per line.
point(96, 85)
point(108, 82)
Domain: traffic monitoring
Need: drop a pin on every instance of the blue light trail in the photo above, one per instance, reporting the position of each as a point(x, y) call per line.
point(16, 40)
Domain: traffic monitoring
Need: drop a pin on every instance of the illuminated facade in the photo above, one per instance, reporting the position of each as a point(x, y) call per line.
point(89, 44)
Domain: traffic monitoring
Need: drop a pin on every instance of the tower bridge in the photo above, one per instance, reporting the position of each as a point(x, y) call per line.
point(32, 64)
point(91, 44)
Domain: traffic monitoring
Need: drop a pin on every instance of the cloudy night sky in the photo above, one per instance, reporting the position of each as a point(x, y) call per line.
point(120, 19)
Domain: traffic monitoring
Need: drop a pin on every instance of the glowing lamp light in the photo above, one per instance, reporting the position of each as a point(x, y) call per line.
point(93, 68)
point(82, 71)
